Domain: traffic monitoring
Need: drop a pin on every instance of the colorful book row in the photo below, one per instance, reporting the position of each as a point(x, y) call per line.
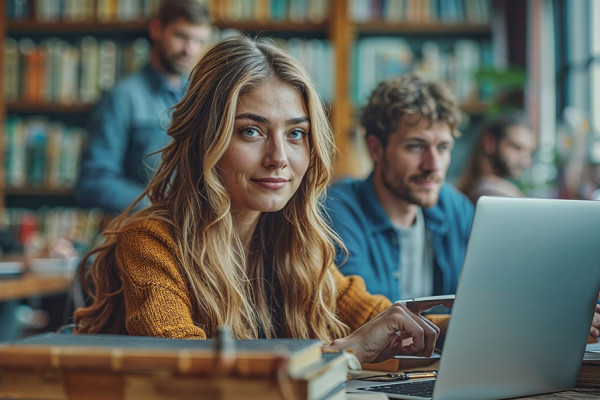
point(455, 62)
point(41, 153)
point(57, 71)
point(314, 11)
point(81, 10)
point(444, 11)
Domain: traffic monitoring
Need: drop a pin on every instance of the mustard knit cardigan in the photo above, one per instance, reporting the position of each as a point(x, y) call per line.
point(159, 303)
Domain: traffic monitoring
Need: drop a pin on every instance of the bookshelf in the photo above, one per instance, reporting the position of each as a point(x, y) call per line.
point(2, 103)
point(319, 28)
point(80, 27)
point(347, 23)
point(73, 50)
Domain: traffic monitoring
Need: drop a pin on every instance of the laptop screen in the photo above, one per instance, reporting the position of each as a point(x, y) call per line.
point(524, 302)
point(525, 299)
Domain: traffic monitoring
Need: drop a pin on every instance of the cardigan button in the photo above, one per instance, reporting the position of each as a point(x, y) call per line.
point(397, 274)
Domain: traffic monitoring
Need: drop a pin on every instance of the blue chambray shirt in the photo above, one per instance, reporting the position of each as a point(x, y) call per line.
point(129, 122)
point(374, 252)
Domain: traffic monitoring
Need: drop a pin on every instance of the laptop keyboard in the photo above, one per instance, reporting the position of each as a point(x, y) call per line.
point(415, 388)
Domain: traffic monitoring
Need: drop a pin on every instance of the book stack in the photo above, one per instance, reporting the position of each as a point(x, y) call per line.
point(60, 366)
point(589, 374)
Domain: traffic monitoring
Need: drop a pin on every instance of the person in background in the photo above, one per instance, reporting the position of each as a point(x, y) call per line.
point(130, 121)
point(235, 235)
point(405, 231)
point(502, 152)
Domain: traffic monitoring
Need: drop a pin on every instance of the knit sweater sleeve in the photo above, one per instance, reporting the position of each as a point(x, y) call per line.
point(355, 305)
point(157, 298)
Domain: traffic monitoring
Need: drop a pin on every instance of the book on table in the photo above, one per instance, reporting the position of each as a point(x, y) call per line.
point(589, 374)
point(64, 366)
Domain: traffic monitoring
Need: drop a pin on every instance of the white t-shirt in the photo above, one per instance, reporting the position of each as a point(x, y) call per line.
point(415, 267)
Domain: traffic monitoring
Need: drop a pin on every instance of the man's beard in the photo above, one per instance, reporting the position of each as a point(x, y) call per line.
point(407, 194)
point(170, 65)
point(501, 167)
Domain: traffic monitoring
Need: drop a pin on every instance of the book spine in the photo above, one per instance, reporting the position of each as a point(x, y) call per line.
point(53, 155)
point(136, 55)
point(15, 170)
point(71, 148)
point(107, 73)
point(88, 85)
point(34, 63)
point(11, 70)
point(36, 133)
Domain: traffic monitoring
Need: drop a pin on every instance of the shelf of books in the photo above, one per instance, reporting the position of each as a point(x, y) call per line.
point(449, 41)
point(365, 42)
point(56, 62)
point(58, 57)
point(66, 27)
point(298, 27)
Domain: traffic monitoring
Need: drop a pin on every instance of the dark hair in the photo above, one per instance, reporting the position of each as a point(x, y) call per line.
point(194, 11)
point(408, 99)
point(499, 127)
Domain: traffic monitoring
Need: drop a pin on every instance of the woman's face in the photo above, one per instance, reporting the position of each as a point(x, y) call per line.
point(269, 151)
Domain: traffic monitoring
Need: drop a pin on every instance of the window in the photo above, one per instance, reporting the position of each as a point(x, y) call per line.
point(578, 94)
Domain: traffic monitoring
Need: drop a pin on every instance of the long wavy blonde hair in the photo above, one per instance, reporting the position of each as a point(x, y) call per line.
point(283, 286)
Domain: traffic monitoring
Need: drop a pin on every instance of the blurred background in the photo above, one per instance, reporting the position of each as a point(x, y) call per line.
point(59, 56)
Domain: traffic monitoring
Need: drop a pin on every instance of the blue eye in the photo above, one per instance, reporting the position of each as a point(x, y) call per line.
point(445, 147)
point(296, 134)
point(250, 132)
point(414, 146)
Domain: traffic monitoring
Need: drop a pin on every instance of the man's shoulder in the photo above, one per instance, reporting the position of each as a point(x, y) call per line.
point(345, 193)
point(132, 84)
point(128, 94)
point(349, 187)
point(496, 186)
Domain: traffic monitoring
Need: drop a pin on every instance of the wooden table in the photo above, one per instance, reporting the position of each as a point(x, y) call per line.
point(578, 393)
point(575, 394)
point(34, 283)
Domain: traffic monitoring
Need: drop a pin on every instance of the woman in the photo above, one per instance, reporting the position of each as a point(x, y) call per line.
point(234, 235)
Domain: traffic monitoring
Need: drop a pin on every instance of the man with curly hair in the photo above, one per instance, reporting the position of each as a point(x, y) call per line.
point(405, 230)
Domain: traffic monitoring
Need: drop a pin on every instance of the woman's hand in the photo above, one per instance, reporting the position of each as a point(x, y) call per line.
point(396, 330)
point(595, 329)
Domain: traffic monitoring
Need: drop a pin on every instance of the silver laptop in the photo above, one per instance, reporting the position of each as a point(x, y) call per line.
point(524, 302)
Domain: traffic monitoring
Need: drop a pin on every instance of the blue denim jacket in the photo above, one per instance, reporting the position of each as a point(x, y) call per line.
point(363, 225)
point(128, 124)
